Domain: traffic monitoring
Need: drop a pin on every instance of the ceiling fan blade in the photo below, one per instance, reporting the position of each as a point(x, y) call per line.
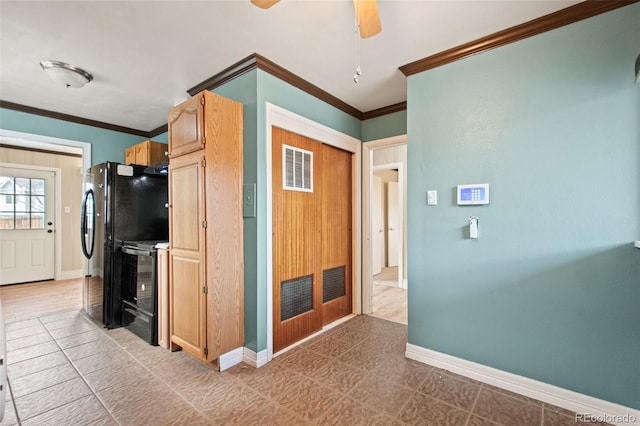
point(368, 18)
point(264, 4)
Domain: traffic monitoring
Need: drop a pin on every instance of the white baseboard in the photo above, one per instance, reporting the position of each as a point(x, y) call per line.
point(579, 403)
point(256, 360)
point(230, 359)
point(71, 275)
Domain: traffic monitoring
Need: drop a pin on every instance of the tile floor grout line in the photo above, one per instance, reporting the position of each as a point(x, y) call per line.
point(13, 401)
point(475, 401)
point(397, 416)
point(79, 375)
point(124, 349)
point(143, 365)
point(447, 402)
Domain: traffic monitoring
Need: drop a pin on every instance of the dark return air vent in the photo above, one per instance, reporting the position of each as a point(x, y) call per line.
point(296, 297)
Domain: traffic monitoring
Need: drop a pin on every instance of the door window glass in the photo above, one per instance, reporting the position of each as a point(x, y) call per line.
point(22, 203)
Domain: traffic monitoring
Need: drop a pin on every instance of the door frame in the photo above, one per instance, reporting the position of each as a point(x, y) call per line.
point(279, 117)
point(57, 211)
point(30, 140)
point(367, 252)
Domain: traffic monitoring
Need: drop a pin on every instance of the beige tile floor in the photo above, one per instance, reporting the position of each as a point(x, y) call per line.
point(65, 370)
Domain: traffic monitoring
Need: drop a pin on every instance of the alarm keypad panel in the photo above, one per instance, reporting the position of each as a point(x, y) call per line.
point(475, 194)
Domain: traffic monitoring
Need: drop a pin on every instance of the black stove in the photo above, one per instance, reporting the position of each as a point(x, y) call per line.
point(140, 289)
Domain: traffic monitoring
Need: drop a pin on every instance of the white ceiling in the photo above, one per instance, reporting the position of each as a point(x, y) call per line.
point(144, 55)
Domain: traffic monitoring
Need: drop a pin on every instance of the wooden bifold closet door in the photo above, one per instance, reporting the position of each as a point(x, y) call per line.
point(312, 244)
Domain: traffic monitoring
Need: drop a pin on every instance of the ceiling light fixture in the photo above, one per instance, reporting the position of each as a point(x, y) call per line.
point(66, 74)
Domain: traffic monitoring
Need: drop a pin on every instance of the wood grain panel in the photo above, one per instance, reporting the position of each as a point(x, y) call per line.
point(142, 153)
point(130, 155)
point(187, 303)
point(297, 221)
point(158, 152)
point(336, 225)
point(224, 233)
point(186, 201)
point(185, 127)
point(187, 253)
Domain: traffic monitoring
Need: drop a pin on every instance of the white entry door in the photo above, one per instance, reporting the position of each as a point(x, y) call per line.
point(27, 238)
point(393, 224)
point(377, 225)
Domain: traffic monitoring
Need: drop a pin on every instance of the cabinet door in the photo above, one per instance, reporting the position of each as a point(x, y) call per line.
point(142, 153)
point(187, 253)
point(130, 155)
point(186, 127)
point(157, 152)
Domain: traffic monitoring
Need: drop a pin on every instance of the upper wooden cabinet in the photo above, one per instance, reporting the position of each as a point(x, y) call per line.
point(146, 153)
point(186, 126)
point(206, 263)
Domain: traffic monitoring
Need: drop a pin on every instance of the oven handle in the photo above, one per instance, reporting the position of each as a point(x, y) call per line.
point(135, 251)
point(135, 314)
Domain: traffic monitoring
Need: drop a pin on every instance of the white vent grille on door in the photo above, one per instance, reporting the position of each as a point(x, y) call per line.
point(297, 169)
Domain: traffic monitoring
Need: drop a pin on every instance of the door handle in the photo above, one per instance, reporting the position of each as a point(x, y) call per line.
point(49, 231)
point(49, 223)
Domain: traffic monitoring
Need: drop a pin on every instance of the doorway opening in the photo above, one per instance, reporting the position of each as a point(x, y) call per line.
point(66, 159)
point(385, 283)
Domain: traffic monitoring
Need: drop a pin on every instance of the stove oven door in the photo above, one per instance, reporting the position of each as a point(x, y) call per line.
point(139, 292)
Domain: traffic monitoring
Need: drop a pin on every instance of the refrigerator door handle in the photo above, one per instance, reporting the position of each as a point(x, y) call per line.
point(89, 197)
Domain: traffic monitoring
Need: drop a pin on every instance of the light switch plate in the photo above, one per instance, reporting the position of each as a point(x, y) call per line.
point(249, 200)
point(432, 198)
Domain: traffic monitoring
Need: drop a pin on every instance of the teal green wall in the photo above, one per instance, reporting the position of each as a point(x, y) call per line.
point(163, 137)
point(244, 89)
point(106, 145)
point(284, 95)
point(385, 126)
point(551, 289)
point(254, 89)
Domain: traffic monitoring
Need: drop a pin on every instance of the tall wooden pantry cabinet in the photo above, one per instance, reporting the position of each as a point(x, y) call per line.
point(205, 226)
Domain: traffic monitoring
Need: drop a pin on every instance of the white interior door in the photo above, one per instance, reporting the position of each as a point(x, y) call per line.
point(377, 226)
point(27, 198)
point(393, 225)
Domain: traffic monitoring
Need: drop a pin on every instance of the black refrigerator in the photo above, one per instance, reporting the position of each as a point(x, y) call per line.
point(121, 203)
